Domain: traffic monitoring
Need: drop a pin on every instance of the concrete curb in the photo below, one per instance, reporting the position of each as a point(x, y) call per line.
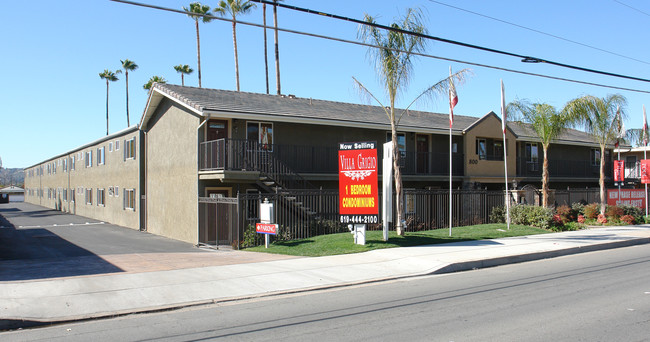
point(10, 324)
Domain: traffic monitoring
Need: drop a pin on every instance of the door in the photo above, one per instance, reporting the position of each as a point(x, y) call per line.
point(217, 129)
point(423, 155)
point(216, 150)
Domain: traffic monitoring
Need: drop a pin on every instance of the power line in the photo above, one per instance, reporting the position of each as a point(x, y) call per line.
point(347, 41)
point(528, 59)
point(636, 9)
point(542, 32)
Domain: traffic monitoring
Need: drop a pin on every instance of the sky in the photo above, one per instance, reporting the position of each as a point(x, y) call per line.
point(53, 99)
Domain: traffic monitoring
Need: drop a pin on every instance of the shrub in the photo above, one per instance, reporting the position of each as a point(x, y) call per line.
point(613, 212)
point(530, 215)
point(591, 210)
point(557, 220)
point(250, 237)
point(498, 214)
point(635, 212)
point(565, 213)
point(602, 219)
point(581, 218)
point(578, 208)
point(628, 219)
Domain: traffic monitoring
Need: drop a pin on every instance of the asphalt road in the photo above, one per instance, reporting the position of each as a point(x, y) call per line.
point(37, 243)
point(597, 296)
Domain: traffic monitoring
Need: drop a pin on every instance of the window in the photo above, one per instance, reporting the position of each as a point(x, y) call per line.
point(72, 163)
point(101, 155)
point(401, 143)
point(89, 196)
point(116, 191)
point(101, 197)
point(117, 145)
point(129, 199)
point(54, 168)
point(532, 155)
point(72, 195)
point(110, 191)
point(89, 158)
point(595, 157)
point(481, 149)
point(65, 194)
point(129, 149)
point(260, 132)
point(110, 146)
point(65, 165)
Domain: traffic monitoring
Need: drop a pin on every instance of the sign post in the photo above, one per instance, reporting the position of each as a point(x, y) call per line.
point(266, 217)
point(358, 187)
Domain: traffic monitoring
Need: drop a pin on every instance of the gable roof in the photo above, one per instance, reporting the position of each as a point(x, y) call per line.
point(255, 106)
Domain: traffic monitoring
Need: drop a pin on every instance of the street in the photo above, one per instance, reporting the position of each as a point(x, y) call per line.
point(597, 296)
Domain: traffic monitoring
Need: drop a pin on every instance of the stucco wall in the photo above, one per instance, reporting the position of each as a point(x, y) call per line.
point(171, 173)
point(488, 170)
point(116, 172)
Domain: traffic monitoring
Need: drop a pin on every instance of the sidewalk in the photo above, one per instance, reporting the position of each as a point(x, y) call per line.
point(32, 302)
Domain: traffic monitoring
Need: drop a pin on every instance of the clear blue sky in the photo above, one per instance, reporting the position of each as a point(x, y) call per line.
point(53, 99)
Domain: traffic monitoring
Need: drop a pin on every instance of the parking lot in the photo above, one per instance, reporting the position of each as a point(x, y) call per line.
point(38, 243)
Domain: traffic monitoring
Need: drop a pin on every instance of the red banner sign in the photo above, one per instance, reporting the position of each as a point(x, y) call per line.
point(631, 197)
point(619, 170)
point(266, 228)
point(645, 169)
point(358, 183)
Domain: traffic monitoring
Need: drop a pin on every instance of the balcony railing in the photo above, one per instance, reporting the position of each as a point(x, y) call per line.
point(561, 168)
point(232, 154)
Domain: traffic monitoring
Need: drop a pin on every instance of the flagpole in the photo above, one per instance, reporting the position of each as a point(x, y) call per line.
point(645, 147)
point(453, 100)
point(505, 154)
point(450, 169)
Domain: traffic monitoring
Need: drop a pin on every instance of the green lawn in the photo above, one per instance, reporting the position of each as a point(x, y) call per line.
point(343, 243)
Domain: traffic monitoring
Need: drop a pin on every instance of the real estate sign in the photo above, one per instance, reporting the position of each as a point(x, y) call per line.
point(619, 170)
point(631, 197)
point(645, 169)
point(358, 183)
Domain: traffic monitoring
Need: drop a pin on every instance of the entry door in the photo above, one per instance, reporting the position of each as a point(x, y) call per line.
point(217, 129)
point(423, 155)
point(218, 228)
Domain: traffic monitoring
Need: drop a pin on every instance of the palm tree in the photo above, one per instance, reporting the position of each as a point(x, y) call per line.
point(547, 124)
point(108, 76)
point(277, 50)
point(394, 66)
point(152, 80)
point(634, 136)
point(197, 11)
point(128, 65)
point(183, 69)
point(598, 116)
point(234, 8)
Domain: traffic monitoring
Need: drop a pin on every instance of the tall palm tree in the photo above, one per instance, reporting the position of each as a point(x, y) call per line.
point(108, 76)
point(152, 80)
point(394, 66)
point(266, 53)
point(277, 50)
point(183, 69)
point(234, 8)
point(547, 124)
point(598, 117)
point(128, 65)
point(197, 11)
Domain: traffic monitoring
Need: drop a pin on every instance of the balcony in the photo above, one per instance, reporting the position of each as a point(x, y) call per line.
point(562, 168)
point(245, 155)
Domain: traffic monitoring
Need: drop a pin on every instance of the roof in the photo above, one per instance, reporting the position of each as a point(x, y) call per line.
point(254, 106)
point(12, 190)
point(246, 105)
point(523, 131)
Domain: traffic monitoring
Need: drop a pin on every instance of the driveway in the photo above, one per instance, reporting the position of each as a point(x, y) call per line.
point(38, 243)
